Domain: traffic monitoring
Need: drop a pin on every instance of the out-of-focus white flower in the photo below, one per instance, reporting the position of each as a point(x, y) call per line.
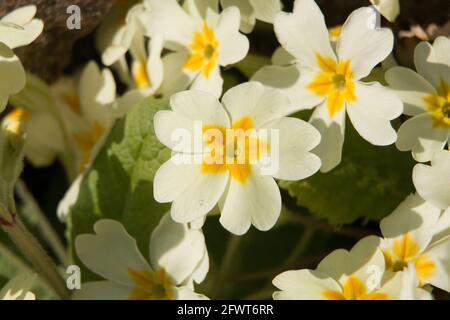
point(390, 9)
point(18, 28)
point(202, 41)
point(358, 274)
point(118, 29)
point(18, 288)
point(238, 166)
point(426, 95)
point(252, 10)
point(177, 254)
point(329, 79)
point(410, 242)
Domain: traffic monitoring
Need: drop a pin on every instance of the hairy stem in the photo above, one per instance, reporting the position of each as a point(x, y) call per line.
point(44, 225)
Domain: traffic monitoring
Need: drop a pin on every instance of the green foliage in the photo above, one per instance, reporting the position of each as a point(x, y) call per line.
point(369, 183)
point(119, 184)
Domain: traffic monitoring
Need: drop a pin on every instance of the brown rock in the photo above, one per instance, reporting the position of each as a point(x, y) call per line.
point(48, 55)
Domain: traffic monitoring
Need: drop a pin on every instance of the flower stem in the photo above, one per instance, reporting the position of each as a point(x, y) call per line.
point(44, 225)
point(227, 266)
point(33, 251)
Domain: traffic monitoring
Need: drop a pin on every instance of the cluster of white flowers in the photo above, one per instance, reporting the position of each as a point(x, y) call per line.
point(178, 50)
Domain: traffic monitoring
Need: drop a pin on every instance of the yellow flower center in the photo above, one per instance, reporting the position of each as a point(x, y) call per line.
point(234, 150)
point(140, 76)
point(15, 119)
point(354, 289)
point(335, 32)
point(335, 82)
point(438, 105)
point(86, 140)
point(204, 51)
point(150, 285)
point(405, 250)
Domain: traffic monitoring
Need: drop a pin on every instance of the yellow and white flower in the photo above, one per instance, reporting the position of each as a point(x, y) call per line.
point(146, 70)
point(18, 288)
point(117, 30)
point(426, 95)
point(411, 241)
point(252, 10)
point(390, 9)
point(202, 41)
point(330, 78)
point(177, 256)
point(232, 169)
point(18, 28)
point(358, 274)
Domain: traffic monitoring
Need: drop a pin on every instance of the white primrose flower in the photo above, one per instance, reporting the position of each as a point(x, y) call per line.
point(411, 241)
point(426, 95)
point(117, 30)
point(146, 69)
point(232, 153)
point(252, 10)
point(177, 256)
point(18, 288)
point(329, 79)
point(358, 274)
point(390, 9)
point(202, 41)
point(18, 28)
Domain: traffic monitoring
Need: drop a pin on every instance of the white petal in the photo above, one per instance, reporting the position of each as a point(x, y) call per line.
point(181, 129)
point(111, 252)
point(102, 290)
point(173, 69)
point(390, 9)
point(432, 183)
point(292, 81)
point(432, 61)
point(155, 67)
point(266, 10)
point(97, 91)
point(290, 154)
point(281, 57)
point(185, 293)
point(342, 263)
point(375, 100)
point(193, 193)
point(248, 18)
point(127, 101)
point(18, 288)
point(200, 8)
point(168, 19)
point(69, 199)
point(19, 28)
point(257, 201)
point(233, 46)
point(176, 248)
point(44, 139)
point(202, 269)
point(303, 33)
point(252, 99)
point(363, 44)
point(419, 135)
point(370, 118)
point(411, 87)
point(439, 253)
point(213, 84)
point(332, 131)
point(12, 76)
point(413, 215)
point(303, 285)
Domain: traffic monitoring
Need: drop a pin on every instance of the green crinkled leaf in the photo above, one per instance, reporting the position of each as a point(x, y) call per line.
point(119, 184)
point(369, 183)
